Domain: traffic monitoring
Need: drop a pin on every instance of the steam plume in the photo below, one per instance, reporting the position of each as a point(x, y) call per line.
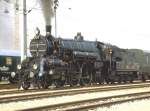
point(48, 10)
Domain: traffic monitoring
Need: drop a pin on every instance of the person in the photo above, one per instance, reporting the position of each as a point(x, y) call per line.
point(78, 36)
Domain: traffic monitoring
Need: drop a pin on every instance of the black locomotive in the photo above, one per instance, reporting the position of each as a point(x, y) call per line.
point(71, 61)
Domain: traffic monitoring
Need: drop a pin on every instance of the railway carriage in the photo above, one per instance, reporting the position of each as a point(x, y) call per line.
point(144, 72)
point(8, 66)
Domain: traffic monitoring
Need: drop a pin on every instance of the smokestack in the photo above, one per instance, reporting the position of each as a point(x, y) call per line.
point(48, 10)
point(48, 29)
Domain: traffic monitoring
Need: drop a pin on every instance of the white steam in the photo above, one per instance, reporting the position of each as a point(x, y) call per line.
point(48, 10)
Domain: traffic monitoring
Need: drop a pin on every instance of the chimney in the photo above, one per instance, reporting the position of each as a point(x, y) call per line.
point(48, 29)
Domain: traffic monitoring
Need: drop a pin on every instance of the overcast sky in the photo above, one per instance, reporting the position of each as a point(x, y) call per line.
point(125, 23)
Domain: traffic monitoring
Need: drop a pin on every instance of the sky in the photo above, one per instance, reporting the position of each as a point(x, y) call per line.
point(125, 23)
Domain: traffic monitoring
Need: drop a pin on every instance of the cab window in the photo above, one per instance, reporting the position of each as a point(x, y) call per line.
point(8, 61)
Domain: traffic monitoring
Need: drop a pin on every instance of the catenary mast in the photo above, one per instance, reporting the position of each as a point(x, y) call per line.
point(24, 38)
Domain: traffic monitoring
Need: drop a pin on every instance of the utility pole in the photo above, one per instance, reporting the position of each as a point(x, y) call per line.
point(55, 14)
point(24, 39)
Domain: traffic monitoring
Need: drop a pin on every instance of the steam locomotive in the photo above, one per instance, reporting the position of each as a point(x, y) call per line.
point(71, 61)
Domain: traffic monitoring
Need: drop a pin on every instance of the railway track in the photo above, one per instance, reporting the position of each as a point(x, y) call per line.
point(33, 94)
point(7, 86)
point(92, 103)
point(14, 90)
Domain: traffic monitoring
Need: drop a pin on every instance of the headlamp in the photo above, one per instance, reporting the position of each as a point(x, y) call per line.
point(31, 74)
point(51, 72)
point(19, 66)
point(35, 66)
point(13, 74)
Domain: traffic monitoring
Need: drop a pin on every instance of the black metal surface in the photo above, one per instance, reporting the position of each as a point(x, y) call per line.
point(83, 46)
point(48, 28)
point(40, 46)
